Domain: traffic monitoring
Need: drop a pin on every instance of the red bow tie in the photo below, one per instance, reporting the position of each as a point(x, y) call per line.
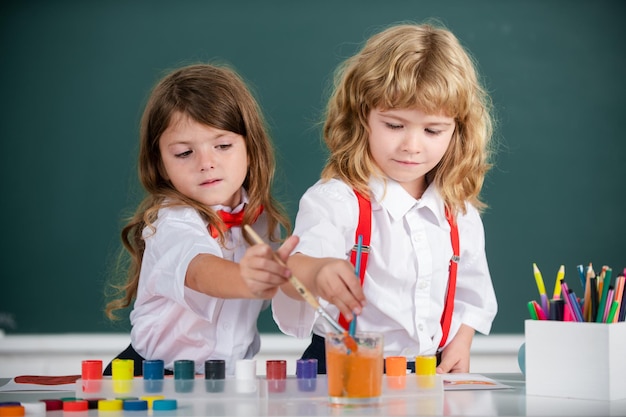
point(231, 220)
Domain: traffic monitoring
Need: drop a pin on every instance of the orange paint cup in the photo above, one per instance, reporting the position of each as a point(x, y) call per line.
point(395, 368)
point(354, 377)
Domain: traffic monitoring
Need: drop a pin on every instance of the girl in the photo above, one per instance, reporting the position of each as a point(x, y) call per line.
point(408, 128)
point(207, 164)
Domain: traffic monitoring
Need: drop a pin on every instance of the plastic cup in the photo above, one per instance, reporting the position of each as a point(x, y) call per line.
point(276, 375)
point(91, 375)
point(426, 369)
point(395, 367)
point(354, 377)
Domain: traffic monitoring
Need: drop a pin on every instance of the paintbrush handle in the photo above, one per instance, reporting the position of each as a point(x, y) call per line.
point(302, 290)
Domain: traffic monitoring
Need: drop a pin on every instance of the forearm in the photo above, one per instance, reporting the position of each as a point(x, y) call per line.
point(216, 277)
point(305, 269)
point(464, 336)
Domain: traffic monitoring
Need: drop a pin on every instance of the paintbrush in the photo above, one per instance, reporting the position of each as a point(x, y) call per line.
point(308, 297)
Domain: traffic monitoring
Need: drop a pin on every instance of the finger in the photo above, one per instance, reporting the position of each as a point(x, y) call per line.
point(287, 247)
point(344, 301)
point(343, 309)
point(353, 284)
point(445, 366)
point(262, 258)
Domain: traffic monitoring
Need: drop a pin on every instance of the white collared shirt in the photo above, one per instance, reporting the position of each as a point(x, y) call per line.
point(171, 321)
point(407, 271)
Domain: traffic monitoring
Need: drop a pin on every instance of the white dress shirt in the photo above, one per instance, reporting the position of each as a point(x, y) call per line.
point(171, 321)
point(407, 271)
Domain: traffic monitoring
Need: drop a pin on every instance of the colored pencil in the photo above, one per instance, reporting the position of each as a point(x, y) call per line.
point(568, 301)
point(557, 285)
point(606, 283)
point(594, 298)
point(532, 311)
point(542, 289)
point(619, 293)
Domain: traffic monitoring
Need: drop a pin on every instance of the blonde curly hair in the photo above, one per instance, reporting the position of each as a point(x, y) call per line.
point(412, 66)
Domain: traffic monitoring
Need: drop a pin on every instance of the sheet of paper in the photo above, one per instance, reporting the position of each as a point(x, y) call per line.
point(457, 382)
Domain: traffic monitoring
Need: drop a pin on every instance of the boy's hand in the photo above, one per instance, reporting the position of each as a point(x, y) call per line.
point(336, 282)
point(455, 358)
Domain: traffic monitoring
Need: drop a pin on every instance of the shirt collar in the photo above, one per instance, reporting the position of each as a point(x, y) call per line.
point(238, 208)
point(390, 195)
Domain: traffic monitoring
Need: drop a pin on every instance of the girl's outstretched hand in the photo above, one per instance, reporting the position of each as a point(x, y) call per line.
point(260, 270)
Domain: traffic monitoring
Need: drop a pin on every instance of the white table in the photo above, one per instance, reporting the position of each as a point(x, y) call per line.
point(501, 402)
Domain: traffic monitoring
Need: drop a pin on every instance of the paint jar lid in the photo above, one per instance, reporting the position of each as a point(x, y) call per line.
point(306, 368)
point(164, 404)
point(53, 404)
point(135, 405)
point(245, 369)
point(91, 369)
point(395, 365)
point(110, 405)
point(78, 405)
point(152, 398)
point(276, 369)
point(12, 410)
point(34, 408)
point(153, 369)
point(122, 369)
point(184, 369)
point(92, 403)
point(215, 369)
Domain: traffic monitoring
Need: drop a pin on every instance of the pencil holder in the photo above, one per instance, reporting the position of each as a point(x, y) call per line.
point(580, 360)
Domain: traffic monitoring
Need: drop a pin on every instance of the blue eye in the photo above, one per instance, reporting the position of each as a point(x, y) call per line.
point(224, 146)
point(393, 126)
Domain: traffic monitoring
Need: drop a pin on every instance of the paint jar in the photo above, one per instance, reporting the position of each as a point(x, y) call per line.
point(426, 370)
point(91, 375)
point(214, 375)
point(276, 375)
point(354, 377)
point(395, 367)
point(184, 375)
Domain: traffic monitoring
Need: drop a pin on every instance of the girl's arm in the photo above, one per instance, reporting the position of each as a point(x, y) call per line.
point(257, 275)
point(455, 357)
point(330, 278)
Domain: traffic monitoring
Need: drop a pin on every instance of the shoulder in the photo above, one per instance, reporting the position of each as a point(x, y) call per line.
point(179, 213)
point(171, 219)
point(471, 222)
point(327, 203)
point(334, 190)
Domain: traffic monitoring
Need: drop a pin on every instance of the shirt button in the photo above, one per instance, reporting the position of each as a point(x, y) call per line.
point(226, 326)
point(421, 285)
point(420, 327)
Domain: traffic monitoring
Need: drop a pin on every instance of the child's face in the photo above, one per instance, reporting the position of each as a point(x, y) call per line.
point(206, 164)
point(407, 143)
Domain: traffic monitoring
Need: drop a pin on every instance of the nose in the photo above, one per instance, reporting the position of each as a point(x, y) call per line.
point(205, 159)
point(412, 142)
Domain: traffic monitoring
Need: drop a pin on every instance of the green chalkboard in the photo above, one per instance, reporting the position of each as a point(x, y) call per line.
point(75, 75)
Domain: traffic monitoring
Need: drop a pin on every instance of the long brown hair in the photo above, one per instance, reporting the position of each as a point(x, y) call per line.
point(218, 97)
point(411, 66)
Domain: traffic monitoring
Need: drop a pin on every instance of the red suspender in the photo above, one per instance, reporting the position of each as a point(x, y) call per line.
point(364, 228)
point(446, 318)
